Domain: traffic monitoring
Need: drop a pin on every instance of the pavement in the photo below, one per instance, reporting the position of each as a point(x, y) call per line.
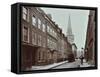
point(85, 65)
point(75, 64)
point(48, 66)
point(64, 64)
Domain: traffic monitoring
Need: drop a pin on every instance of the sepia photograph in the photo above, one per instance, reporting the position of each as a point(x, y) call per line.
point(57, 38)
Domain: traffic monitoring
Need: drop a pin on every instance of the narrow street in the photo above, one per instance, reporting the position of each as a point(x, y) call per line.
point(74, 64)
point(64, 64)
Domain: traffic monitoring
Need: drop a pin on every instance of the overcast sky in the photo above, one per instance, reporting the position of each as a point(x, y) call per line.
point(79, 20)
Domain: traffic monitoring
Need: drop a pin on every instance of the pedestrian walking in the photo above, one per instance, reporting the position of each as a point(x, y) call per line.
point(81, 58)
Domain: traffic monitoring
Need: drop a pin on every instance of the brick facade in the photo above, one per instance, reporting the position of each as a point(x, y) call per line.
point(42, 40)
point(90, 39)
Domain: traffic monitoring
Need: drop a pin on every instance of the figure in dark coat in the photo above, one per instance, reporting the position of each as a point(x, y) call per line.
point(81, 58)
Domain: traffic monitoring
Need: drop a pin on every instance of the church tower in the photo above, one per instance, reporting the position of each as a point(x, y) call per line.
point(70, 35)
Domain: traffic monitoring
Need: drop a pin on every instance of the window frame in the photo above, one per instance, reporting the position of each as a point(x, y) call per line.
point(25, 13)
point(34, 38)
point(39, 23)
point(33, 22)
point(27, 34)
point(43, 27)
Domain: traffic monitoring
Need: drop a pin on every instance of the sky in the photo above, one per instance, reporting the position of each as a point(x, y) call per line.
point(79, 21)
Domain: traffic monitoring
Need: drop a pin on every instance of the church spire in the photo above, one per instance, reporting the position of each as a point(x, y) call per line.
point(70, 35)
point(69, 29)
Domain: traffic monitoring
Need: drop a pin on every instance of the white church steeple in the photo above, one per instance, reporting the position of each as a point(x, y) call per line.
point(70, 35)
